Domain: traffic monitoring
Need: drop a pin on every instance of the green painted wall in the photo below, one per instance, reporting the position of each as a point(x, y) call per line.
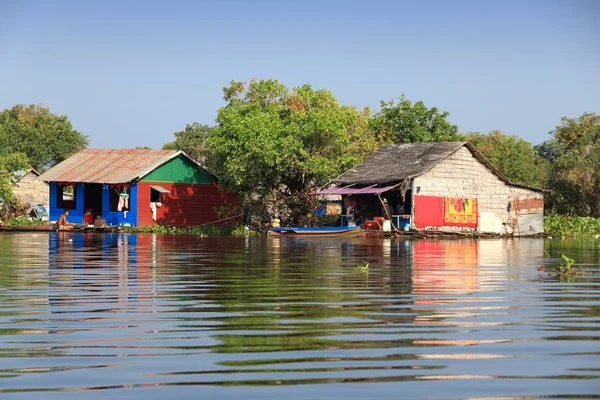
point(178, 170)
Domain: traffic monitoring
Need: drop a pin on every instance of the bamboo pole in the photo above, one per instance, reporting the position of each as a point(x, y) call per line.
point(388, 213)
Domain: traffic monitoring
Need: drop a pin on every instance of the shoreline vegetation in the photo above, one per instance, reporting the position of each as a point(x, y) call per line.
point(307, 137)
point(571, 226)
point(554, 225)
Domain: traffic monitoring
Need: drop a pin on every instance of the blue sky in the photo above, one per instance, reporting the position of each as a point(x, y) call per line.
point(130, 73)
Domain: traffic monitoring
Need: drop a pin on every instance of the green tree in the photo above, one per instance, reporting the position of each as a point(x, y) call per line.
point(9, 164)
point(192, 140)
point(45, 138)
point(405, 122)
point(511, 155)
point(277, 145)
point(574, 153)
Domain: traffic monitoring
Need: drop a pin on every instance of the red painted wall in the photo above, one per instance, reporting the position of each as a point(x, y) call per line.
point(186, 205)
point(429, 211)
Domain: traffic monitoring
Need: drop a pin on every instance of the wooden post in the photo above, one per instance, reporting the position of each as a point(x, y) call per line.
point(388, 213)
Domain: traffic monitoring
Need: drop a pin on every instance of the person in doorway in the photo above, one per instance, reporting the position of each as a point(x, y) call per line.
point(62, 223)
point(386, 210)
point(350, 215)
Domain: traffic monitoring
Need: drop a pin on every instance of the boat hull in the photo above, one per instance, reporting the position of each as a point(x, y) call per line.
point(316, 232)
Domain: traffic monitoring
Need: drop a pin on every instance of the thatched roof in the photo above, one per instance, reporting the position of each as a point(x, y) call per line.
point(394, 163)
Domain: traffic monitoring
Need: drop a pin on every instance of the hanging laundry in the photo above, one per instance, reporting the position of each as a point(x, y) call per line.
point(123, 200)
point(153, 207)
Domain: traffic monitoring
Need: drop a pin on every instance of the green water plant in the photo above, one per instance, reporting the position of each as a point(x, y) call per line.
point(363, 267)
point(566, 269)
point(571, 226)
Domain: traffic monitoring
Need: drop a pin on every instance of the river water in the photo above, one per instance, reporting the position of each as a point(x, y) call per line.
point(158, 316)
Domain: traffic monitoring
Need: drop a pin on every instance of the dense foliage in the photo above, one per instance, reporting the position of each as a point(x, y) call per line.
point(202, 231)
point(192, 140)
point(276, 146)
point(30, 135)
point(511, 155)
point(405, 122)
point(44, 137)
point(574, 157)
point(9, 163)
point(572, 226)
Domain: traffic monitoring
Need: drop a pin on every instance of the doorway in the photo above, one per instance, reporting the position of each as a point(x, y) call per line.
point(92, 200)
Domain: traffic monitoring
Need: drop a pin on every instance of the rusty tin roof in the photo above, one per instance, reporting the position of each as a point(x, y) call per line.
point(109, 165)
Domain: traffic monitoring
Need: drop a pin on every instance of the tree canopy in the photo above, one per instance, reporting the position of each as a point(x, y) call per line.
point(405, 122)
point(44, 137)
point(514, 157)
point(192, 140)
point(272, 141)
point(574, 153)
point(9, 163)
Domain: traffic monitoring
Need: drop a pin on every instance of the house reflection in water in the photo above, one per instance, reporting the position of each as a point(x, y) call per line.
point(470, 266)
point(107, 269)
point(449, 276)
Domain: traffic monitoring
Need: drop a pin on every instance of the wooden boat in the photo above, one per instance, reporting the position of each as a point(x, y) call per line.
point(325, 231)
point(38, 228)
point(27, 228)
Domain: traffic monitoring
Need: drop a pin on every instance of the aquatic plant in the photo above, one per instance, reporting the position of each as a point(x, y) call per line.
point(566, 270)
point(242, 231)
point(201, 231)
point(571, 226)
point(363, 267)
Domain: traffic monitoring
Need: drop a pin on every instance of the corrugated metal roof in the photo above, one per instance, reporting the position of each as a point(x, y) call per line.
point(108, 165)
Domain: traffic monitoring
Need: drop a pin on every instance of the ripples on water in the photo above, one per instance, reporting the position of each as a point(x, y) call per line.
point(255, 317)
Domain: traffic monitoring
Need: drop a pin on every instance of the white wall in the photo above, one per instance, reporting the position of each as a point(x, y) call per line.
point(462, 175)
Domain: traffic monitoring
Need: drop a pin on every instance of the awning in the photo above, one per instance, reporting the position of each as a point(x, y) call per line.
point(351, 189)
point(160, 189)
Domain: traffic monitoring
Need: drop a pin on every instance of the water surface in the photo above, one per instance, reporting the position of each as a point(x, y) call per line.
point(149, 316)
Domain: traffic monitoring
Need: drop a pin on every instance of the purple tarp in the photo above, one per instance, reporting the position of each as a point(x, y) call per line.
point(356, 190)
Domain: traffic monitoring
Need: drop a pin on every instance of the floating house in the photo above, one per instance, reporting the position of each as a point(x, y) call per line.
point(441, 186)
point(28, 189)
point(140, 187)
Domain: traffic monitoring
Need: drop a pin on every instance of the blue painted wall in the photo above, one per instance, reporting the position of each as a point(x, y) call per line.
point(76, 215)
point(111, 217)
point(119, 217)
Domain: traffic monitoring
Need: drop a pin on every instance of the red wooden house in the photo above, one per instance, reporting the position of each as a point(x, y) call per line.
point(140, 187)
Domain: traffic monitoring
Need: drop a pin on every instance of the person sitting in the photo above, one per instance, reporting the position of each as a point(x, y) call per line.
point(62, 223)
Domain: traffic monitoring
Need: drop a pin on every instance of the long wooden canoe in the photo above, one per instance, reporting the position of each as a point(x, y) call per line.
point(329, 231)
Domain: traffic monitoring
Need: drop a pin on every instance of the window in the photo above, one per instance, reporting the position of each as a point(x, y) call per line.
point(66, 196)
point(154, 196)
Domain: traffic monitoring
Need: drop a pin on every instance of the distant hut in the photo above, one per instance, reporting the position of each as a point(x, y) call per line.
point(442, 186)
point(140, 187)
point(29, 190)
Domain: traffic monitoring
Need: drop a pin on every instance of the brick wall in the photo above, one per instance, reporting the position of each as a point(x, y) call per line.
point(462, 175)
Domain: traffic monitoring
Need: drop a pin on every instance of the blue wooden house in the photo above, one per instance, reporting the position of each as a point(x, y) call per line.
point(139, 187)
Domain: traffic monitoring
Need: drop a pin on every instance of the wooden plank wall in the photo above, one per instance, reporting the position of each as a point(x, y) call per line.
point(186, 205)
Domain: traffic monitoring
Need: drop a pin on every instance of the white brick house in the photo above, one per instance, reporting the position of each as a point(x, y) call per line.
point(444, 186)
